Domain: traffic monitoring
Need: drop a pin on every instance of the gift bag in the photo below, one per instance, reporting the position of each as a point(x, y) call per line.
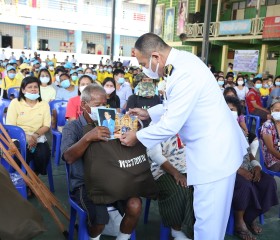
point(19, 220)
point(116, 172)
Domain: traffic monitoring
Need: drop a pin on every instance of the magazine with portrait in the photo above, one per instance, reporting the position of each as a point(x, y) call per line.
point(106, 118)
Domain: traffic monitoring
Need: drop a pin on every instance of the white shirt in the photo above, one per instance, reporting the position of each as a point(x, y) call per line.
point(196, 109)
point(73, 60)
point(2, 56)
point(241, 93)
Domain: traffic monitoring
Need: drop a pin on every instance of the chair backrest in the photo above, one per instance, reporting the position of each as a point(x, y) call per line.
point(60, 107)
point(14, 91)
point(15, 132)
point(4, 104)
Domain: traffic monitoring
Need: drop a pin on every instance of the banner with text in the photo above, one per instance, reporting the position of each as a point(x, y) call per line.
point(235, 27)
point(271, 28)
point(246, 61)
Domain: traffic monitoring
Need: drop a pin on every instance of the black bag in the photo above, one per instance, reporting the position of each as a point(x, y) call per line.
point(115, 172)
point(19, 220)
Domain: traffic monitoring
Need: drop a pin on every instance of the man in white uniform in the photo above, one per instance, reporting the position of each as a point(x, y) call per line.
point(195, 109)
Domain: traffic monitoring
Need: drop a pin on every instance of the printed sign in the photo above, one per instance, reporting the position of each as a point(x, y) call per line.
point(235, 27)
point(246, 61)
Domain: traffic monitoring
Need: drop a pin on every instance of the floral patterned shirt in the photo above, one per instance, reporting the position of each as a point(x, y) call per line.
point(269, 128)
point(171, 150)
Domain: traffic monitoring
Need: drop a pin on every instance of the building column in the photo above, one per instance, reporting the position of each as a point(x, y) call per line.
point(194, 50)
point(224, 59)
point(197, 5)
point(263, 58)
point(219, 3)
point(117, 37)
point(78, 41)
point(34, 37)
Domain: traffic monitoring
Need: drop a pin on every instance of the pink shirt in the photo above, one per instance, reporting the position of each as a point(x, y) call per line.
point(73, 109)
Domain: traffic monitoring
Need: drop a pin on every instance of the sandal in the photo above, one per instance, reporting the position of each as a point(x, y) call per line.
point(254, 228)
point(244, 234)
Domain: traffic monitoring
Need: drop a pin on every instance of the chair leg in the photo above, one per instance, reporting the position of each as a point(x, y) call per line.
point(261, 219)
point(164, 232)
point(72, 222)
point(133, 235)
point(53, 144)
point(147, 208)
point(57, 150)
point(50, 176)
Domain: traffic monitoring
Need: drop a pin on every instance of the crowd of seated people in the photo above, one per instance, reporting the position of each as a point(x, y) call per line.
point(115, 86)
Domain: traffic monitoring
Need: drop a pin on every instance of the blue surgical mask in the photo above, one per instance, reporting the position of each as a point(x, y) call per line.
point(65, 83)
point(94, 112)
point(44, 79)
point(11, 75)
point(101, 70)
point(105, 69)
point(221, 83)
point(149, 72)
point(32, 96)
point(121, 81)
point(94, 77)
point(277, 83)
point(74, 78)
point(266, 86)
point(258, 85)
point(109, 70)
point(80, 74)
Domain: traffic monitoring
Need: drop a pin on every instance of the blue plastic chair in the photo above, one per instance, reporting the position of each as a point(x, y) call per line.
point(76, 209)
point(60, 107)
point(16, 132)
point(14, 91)
point(249, 122)
point(4, 103)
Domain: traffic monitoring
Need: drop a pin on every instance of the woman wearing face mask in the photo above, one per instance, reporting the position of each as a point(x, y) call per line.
point(241, 89)
point(255, 192)
point(275, 93)
point(47, 91)
point(270, 138)
point(74, 77)
point(66, 90)
point(221, 83)
point(145, 98)
point(254, 103)
point(113, 101)
point(73, 109)
point(9, 81)
point(32, 114)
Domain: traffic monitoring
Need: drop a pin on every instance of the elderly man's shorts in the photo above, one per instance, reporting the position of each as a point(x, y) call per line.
point(97, 214)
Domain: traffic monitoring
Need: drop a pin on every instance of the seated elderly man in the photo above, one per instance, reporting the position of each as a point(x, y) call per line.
point(73, 146)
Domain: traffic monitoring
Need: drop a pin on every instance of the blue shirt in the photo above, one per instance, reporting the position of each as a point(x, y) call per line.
point(123, 93)
point(71, 134)
point(63, 94)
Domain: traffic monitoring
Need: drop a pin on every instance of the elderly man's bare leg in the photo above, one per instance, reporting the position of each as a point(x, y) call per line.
point(132, 213)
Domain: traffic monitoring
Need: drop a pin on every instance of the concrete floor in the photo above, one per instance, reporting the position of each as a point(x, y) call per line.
point(271, 228)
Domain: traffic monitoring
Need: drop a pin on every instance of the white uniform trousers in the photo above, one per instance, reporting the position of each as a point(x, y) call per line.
point(212, 204)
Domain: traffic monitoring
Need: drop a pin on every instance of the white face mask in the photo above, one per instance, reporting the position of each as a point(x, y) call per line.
point(149, 71)
point(276, 116)
point(234, 114)
point(240, 83)
point(44, 79)
point(109, 90)
point(94, 112)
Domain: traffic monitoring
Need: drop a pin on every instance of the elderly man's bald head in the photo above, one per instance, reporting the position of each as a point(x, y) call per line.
point(91, 90)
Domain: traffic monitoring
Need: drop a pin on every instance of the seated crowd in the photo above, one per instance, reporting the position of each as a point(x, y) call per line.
point(122, 88)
